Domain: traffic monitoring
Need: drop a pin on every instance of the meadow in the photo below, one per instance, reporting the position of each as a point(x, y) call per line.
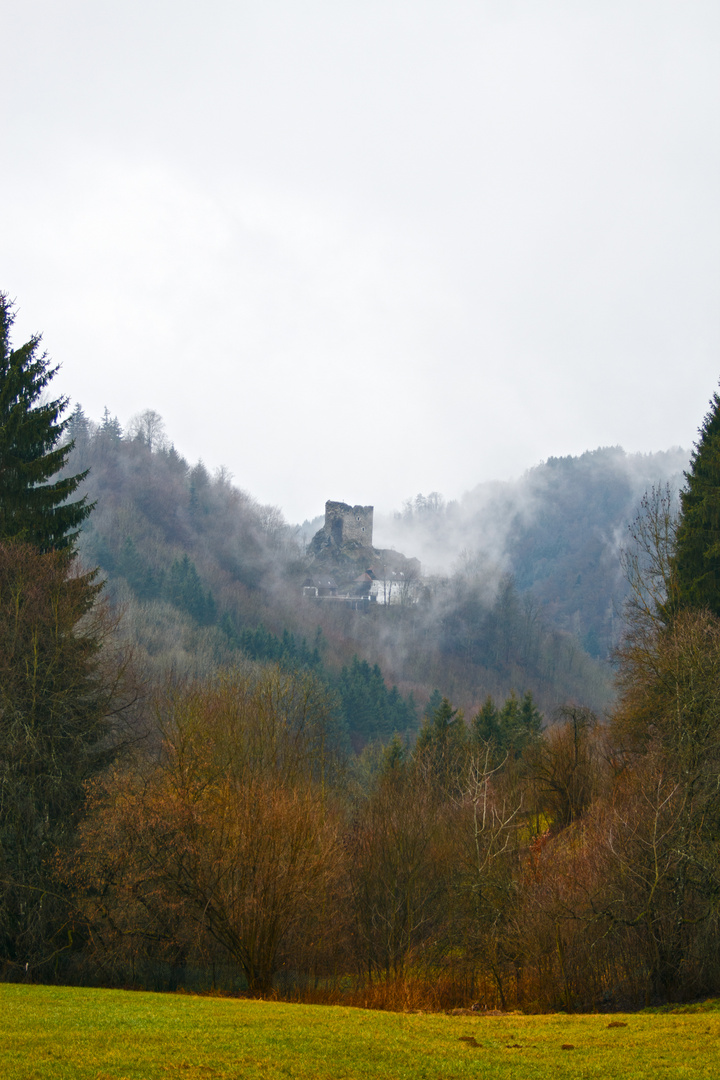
point(61, 1032)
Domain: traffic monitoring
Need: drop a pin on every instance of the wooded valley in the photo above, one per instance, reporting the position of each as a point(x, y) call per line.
point(503, 791)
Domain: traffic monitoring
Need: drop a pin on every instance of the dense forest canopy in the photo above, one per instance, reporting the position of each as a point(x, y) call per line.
point(211, 779)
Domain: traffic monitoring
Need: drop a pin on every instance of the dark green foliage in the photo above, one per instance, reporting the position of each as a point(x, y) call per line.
point(485, 726)
point(110, 427)
point(696, 563)
point(58, 688)
point(32, 508)
point(56, 697)
point(199, 490)
point(184, 589)
point(441, 745)
point(180, 585)
point(434, 702)
point(146, 582)
point(510, 730)
point(445, 725)
point(78, 427)
point(371, 710)
point(531, 721)
point(290, 652)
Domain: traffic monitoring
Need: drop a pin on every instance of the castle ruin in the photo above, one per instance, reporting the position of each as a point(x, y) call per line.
point(347, 524)
point(347, 569)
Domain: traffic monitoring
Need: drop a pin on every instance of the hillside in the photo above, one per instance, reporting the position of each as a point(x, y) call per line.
point(199, 567)
point(558, 531)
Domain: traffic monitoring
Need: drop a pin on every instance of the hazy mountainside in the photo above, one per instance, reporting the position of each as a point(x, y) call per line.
point(207, 576)
point(222, 822)
point(558, 531)
point(180, 549)
point(219, 829)
point(567, 553)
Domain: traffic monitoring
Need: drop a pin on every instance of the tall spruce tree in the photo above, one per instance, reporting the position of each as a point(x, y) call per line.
point(695, 579)
point(34, 507)
point(59, 688)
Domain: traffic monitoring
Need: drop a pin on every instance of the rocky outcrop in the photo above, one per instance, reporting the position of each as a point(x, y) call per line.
point(343, 547)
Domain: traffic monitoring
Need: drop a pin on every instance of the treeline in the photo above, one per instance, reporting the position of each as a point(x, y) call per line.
point(202, 572)
point(493, 861)
point(227, 840)
point(162, 826)
point(244, 849)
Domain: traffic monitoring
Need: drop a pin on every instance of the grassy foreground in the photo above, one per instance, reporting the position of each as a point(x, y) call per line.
point(49, 1032)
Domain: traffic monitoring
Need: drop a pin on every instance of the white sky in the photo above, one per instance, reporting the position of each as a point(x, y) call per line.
point(362, 250)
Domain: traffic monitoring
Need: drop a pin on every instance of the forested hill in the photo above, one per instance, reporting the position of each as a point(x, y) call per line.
point(180, 548)
point(566, 547)
point(558, 530)
point(205, 574)
point(484, 851)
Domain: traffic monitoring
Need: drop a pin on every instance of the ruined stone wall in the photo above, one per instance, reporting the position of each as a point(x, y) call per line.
point(347, 523)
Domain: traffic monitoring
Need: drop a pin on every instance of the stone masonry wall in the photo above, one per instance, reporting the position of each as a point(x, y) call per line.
point(347, 523)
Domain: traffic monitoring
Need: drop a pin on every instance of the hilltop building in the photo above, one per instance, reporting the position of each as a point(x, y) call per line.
point(345, 524)
point(341, 553)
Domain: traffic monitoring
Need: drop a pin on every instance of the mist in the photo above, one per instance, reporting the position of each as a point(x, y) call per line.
point(485, 522)
point(486, 234)
point(516, 586)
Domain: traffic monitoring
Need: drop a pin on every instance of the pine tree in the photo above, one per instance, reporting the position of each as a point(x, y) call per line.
point(442, 745)
point(485, 727)
point(34, 508)
point(696, 562)
point(59, 688)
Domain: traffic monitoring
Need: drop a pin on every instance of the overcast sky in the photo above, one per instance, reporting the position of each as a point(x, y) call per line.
point(360, 250)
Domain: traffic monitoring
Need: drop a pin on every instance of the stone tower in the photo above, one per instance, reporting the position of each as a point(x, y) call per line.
point(348, 524)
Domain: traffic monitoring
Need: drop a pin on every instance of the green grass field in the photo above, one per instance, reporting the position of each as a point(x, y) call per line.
point(49, 1032)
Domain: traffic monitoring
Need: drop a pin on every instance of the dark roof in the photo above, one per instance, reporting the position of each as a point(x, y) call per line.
point(321, 582)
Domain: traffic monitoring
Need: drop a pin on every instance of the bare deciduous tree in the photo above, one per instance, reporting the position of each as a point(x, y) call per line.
point(226, 840)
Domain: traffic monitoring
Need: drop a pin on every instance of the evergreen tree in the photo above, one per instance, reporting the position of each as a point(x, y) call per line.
point(146, 582)
point(58, 686)
point(393, 758)
point(485, 725)
point(260, 644)
point(371, 710)
point(78, 426)
point(531, 719)
point(33, 508)
point(511, 729)
point(696, 562)
point(520, 724)
point(110, 426)
point(442, 744)
point(433, 703)
point(185, 591)
point(59, 690)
